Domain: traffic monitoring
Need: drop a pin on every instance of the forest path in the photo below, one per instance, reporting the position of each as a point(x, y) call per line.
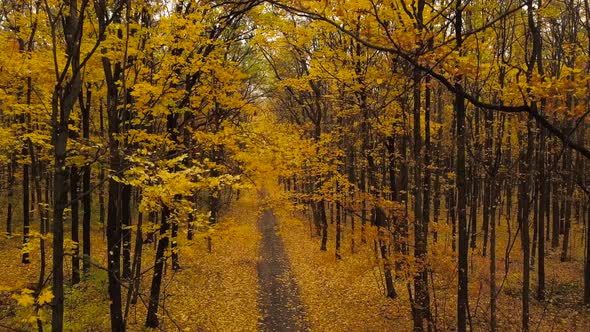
point(279, 301)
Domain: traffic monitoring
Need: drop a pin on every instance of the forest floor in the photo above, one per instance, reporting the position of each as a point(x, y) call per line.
point(216, 291)
point(280, 305)
point(348, 294)
point(266, 272)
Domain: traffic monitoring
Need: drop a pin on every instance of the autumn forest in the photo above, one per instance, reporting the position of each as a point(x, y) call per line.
point(295, 165)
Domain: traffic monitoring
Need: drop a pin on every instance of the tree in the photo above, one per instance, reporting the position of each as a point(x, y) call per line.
point(64, 97)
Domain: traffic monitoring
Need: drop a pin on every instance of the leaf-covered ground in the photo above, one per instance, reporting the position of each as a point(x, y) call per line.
point(348, 294)
point(342, 295)
point(213, 291)
point(222, 290)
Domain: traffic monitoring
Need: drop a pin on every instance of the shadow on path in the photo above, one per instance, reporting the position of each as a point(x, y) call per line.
point(280, 305)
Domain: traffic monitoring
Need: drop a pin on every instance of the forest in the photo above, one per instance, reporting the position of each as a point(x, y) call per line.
point(295, 165)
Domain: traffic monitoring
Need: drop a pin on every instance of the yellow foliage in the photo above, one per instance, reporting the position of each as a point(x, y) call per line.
point(25, 298)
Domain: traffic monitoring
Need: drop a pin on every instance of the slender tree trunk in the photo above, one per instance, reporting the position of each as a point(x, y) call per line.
point(528, 172)
point(387, 266)
point(473, 211)
point(10, 195)
point(113, 73)
point(154, 301)
point(36, 170)
point(74, 181)
point(488, 191)
point(338, 224)
point(126, 229)
point(363, 187)
point(62, 104)
point(101, 177)
point(421, 298)
point(60, 197)
point(404, 188)
point(26, 209)
point(541, 221)
point(174, 246)
point(190, 227)
point(26, 182)
point(113, 231)
point(439, 162)
point(555, 207)
point(587, 262)
point(462, 293)
point(535, 210)
point(114, 250)
point(86, 176)
point(524, 206)
point(493, 290)
point(352, 180)
point(324, 223)
point(137, 259)
point(567, 206)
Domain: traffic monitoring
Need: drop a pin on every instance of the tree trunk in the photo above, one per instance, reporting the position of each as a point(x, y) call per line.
point(524, 207)
point(473, 211)
point(74, 180)
point(324, 223)
point(462, 293)
point(26, 209)
point(439, 162)
point(587, 262)
point(62, 104)
point(555, 207)
point(338, 223)
point(101, 178)
point(114, 251)
point(113, 74)
point(9, 197)
point(60, 197)
point(87, 198)
point(26, 182)
point(421, 298)
point(488, 191)
point(154, 301)
point(493, 291)
point(567, 205)
point(541, 215)
point(174, 246)
point(126, 229)
point(137, 259)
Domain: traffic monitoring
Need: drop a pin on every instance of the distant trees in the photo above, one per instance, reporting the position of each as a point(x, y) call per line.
point(517, 122)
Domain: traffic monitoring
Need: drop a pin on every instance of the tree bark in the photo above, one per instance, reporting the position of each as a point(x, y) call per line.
point(26, 207)
point(541, 221)
point(62, 104)
point(154, 301)
point(587, 262)
point(126, 230)
point(86, 176)
point(462, 293)
point(74, 180)
point(10, 195)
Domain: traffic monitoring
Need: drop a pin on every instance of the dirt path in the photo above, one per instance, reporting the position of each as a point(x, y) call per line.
point(280, 305)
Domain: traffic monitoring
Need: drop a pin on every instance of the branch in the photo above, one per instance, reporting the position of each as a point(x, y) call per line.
point(451, 86)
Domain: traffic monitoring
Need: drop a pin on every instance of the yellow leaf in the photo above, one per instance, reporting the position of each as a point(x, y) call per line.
point(45, 297)
point(24, 299)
